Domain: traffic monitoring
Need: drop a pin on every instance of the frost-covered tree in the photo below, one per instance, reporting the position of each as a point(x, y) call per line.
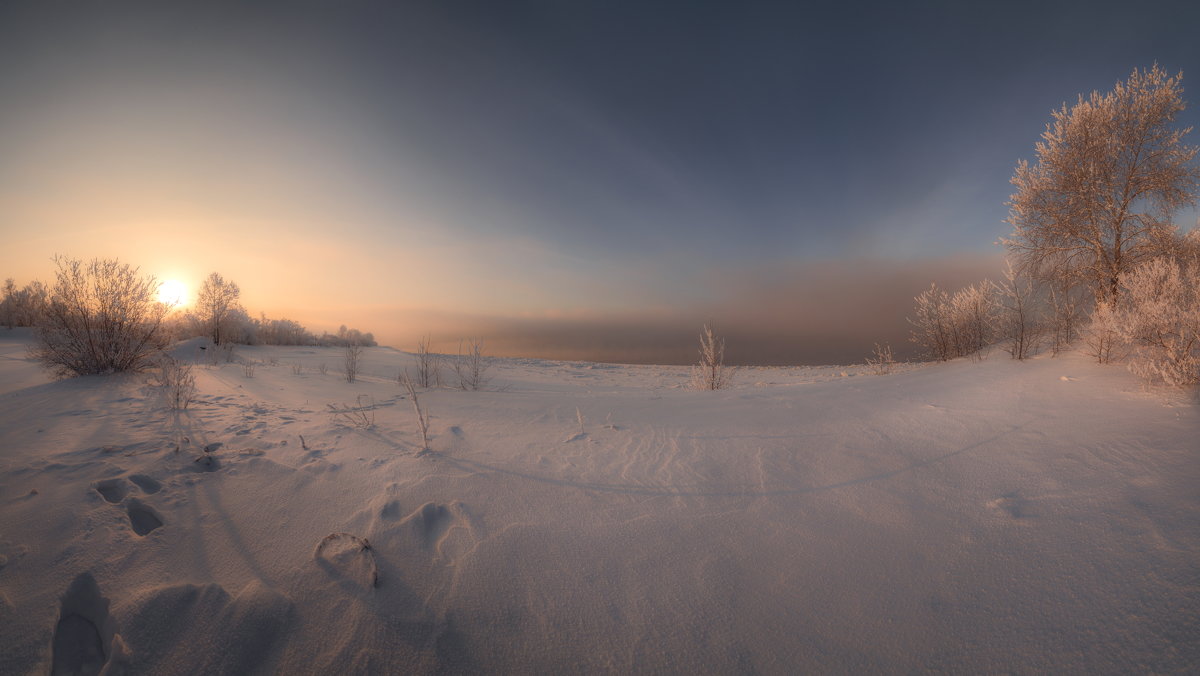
point(24, 306)
point(1017, 323)
point(1066, 304)
point(216, 305)
point(8, 315)
point(1110, 172)
point(958, 325)
point(973, 310)
point(932, 326)
point(102, 317)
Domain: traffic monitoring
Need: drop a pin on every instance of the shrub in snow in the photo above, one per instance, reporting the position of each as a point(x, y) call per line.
point(881, 360)
point(102, 317)
point(422, 416)
point(471, 367)
point(176, 379)
point(711, 373)
point(360, 415)
point(352, 355)
point(1158, 315)
point(429, 365)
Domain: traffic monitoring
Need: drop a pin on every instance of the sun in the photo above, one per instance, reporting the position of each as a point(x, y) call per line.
point(172, 292)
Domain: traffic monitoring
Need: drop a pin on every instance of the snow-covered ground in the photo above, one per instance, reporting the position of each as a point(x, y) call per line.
point(1038, 517)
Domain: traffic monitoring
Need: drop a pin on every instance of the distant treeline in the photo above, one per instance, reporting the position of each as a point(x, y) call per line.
point(27, 305)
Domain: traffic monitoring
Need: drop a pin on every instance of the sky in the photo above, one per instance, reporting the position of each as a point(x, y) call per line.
point(584, 180)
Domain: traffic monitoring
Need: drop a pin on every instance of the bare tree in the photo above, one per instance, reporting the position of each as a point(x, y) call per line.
point(216, 304)
point(711, 373)
point(471, 366)
point(1110, 172)
point(102, 317)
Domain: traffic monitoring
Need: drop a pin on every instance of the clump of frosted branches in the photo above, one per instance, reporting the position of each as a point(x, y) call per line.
point(1158, 315)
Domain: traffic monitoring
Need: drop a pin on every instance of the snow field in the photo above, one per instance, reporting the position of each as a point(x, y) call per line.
point(1022, 517)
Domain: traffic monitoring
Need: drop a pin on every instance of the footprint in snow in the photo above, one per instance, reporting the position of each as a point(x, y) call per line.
point(142, 517)
point(112, 490)
point(149, 485)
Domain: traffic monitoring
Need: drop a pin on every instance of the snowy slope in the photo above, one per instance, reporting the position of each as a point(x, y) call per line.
point(967, 517)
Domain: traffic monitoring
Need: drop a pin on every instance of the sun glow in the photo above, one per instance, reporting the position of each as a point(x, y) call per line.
point(172, 292)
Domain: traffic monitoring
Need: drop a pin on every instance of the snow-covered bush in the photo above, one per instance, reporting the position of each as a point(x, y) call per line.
point(1158, 315)
point(102, 317)
point(711, 373)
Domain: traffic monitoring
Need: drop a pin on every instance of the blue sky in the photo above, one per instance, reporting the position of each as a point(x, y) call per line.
point(550, 168)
